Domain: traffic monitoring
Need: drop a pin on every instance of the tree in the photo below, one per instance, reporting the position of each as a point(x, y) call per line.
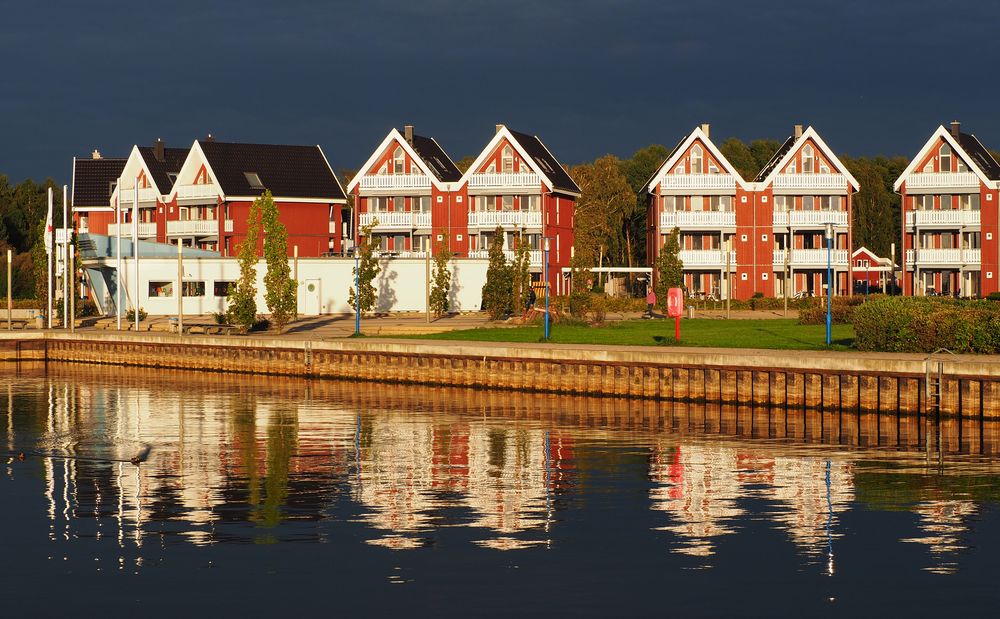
point(739, 155)
point(521, 273)
point(464, 163)
point(497, 291)
point(669, 268)
point(441, 282)
point(875, 208)
point(279, 287)
point(638, 169)
point(365, 273)
point(241, 309)
point(601, 211)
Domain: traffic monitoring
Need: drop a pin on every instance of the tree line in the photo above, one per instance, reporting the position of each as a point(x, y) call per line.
point(22, 227)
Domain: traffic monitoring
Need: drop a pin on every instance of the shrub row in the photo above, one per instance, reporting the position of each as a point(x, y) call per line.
point(915, 324)
point(841, 310)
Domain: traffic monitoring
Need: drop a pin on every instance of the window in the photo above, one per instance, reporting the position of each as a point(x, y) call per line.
point(529, 203)
point(781, 203)
point(161, 289)
point(172, 177)
point(929, 167)
point(960, 165)
point(721, 203)
point(193, 289)
point(928, 203)
point(422, 204)
point(945, 158)
point(697, 159)
point(972, 240)
point(829, 203)
point(398, 160)
point(670, 203)
point(808, 159)
point(679, 169)
point(712, 168)
point(221, 288)
point(823, 168)
point(945, 203)
point(398, 243)
point(398, 204)
point(697, 203)
point(508, 203)
point(970, 202)
point(111, 187)
point(507, 160)
point(807, 203)
point(791, 168)
point(253, 179)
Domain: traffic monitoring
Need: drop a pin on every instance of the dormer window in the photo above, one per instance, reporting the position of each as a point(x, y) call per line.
point(679, 169)
point(929, 167)
point(945, 158)
point(712, 168)
point(808, 160)
point(172, 177)
point(823, 168)
point(111, 187)
point(791, 168)
point(697, 159)
point(253, 179)
point(507, 160)
point(398, 160)
point(960, 165)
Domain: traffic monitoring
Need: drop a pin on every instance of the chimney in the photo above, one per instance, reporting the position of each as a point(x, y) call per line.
point(499, 127)
point(96, 154)
point(956, 128)
point(210, 138)
point(797, 131)
point(408, 134)
point(704, 128)
point(158, 150)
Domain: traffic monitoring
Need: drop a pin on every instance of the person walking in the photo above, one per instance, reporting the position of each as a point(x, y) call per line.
point(650, 302)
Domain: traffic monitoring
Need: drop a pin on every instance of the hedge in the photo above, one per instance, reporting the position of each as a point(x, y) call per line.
point(920, 324)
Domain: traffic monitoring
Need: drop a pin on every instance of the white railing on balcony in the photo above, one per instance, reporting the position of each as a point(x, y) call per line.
point(837, 182)
point(227, 225)
point(924, 180)
point(697, 219)
point(706, 257)
point(535, 256)
point(409, 254)
point(803, 219)
point(397, 220)
point(951, 217)
point(810, 257)
point(510, 179)
point(780, 219)
point(510, 219)
point(196, 192)
point(943, 256)
point(421, 220)
point(203, 227)
point(146, 229)
point(698, 181)
point(396, 181)
point(146, 194)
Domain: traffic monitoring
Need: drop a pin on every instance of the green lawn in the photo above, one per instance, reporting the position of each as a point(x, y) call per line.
point(777, 334)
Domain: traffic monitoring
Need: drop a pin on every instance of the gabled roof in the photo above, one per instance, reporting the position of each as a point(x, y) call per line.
point(159, 171)
point(425, 151)
point(866, 251)
point(287, 171)
point(780, 159)
point(681, 148)
point(92, 179)
point(967, 144)
point(539, 158)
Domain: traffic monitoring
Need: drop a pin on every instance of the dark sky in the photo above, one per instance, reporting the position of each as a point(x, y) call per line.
point(589, 77)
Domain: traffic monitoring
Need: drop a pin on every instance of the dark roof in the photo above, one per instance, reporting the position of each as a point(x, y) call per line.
point(436, 159)
point(92, 180)
point(672, 152)
point(980, 155)
point(778, 156)
point(287, 171)
point(173, 159)
point(561, 180)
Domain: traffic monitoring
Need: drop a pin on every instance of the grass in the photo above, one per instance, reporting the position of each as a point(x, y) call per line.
point(776, 334)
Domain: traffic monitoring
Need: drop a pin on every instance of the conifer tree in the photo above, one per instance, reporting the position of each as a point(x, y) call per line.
point(497, 291)
point(669, 268)
point(368, 264)
point(441, 281)
point(241, 308)
point(520, 273)
point(279, 287)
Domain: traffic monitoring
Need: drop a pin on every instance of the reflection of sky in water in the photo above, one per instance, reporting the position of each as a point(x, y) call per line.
point(249, 460)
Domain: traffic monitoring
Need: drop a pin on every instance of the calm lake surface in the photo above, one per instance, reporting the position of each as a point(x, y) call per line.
point(261, 495)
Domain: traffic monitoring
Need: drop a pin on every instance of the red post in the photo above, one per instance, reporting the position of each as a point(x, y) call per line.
point(675, 308)
point(677, 328)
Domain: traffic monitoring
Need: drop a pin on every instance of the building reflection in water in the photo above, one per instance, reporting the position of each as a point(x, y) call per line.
point(258, 460)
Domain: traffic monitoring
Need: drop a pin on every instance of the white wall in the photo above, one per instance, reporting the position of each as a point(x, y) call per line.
point(400, 283)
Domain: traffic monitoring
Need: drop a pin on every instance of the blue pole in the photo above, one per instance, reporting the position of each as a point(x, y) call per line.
point(546, 293)
point(357, 294)
point(829, 283)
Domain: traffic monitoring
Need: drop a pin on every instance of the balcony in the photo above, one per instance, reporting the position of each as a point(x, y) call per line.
point(505, 219)
point(127, 194)
point(809, 219)
point(208, 192)
point(697, 182)
point(193, 227)
point(950, 218)
point(395, 182)
point(951, 256)
point(822, 183)
point(227, 225)
point(535, 256)
point(928, 182)
point(714, 258)
point(509, 180)
point(146, 229)
point(697, 219)
point(810, 258)
point(402, 220)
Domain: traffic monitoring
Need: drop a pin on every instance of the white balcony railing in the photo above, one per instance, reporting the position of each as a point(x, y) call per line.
point(388, 220)
point(511, 179)
point(809, 219)
point(395, 181)
point(706, 257)
point(810, 258)
point(227, 225)
point(201, 227)
point(950, 217)
point(697, 219)
point(943, 256)
point(535, 256)
point(410, 254)
point(698, 181)
point(505, 219)
point(146, 229)
point(928, 180)
point(127, 195)
point(197, 192)
point(830, 182)
point(421, 220)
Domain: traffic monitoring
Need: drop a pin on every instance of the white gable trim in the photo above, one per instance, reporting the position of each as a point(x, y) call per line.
point(135, 160)
point(334, 174)
point(195, 158)
point(697, 134)
point(504, 133)
point(810, 133)
point(393, 136)
point(941, 133)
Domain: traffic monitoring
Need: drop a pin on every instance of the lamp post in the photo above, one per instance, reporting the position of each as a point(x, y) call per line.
point(829, 279)
point(546, 277)
point(868, 277)
point(357, 290)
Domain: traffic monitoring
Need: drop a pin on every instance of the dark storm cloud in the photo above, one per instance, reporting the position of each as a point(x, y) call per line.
point(590, 77)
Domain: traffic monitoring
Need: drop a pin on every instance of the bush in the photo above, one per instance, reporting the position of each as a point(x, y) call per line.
point(130, 315)
point(599, 308)
point(220, 318)
point(908, 324)
point(841, 310)
point(579, 304)
point(993, 296)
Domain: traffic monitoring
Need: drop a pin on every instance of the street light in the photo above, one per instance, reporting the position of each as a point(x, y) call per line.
point(829, 279)
point(357, 289)
point(546, 278)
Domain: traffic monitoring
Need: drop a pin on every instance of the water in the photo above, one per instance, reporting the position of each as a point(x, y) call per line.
point(262, 495)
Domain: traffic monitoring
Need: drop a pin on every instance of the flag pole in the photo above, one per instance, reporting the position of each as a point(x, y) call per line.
point(48, 253)
point(118, 252)
point(135, 251)
point(65, 255)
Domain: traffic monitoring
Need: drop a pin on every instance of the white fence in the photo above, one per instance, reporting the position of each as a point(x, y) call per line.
point(146, 229)
point(197, 192)
point(823, 182)
point(697, 219)
point(505, 219)
point(943, 256)
point(811, 258)
point(951, 217)
point(396, 181)
point(714, 258)
point(933, 180)
point(698, 181)
point(515, 180)
point(202, 227)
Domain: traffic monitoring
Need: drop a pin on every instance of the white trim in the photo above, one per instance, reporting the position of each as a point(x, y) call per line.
point(284, 199)
point(697, 134)
point(335, 177)
point(195, 156)
point(395, 136)
point(492, 145)
point(941, 132)
point(829, 154)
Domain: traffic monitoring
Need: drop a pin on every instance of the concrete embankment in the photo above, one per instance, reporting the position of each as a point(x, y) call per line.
point(969, 386)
